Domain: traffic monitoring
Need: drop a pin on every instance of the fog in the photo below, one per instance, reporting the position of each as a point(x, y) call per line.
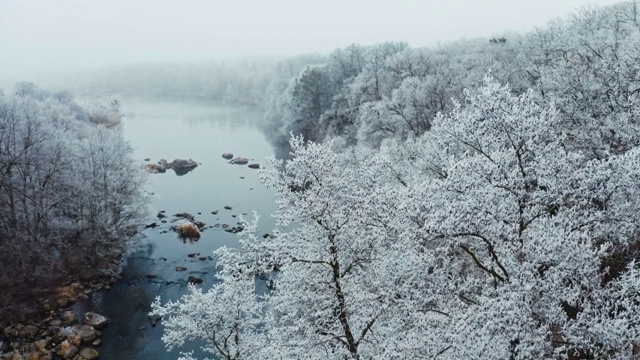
point(40, 38)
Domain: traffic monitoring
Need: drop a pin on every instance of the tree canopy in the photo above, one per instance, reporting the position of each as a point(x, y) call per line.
point(477, 200)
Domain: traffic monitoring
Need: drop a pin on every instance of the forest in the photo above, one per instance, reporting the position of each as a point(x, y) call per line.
point(478, 199)
point(68, 191)
point(474, 200)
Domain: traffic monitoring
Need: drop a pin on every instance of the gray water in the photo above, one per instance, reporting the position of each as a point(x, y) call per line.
point(202, 131)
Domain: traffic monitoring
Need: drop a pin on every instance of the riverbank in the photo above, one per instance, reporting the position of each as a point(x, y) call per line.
point(158, 129)
point(63, 327)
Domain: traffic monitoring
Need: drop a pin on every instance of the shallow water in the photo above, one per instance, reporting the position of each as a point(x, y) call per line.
point(202, 131)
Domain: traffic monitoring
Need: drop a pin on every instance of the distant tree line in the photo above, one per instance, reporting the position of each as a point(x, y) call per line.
point(586, 65)
point(239, 82)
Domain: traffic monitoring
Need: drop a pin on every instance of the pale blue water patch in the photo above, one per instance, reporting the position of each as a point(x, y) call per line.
point(202, 131)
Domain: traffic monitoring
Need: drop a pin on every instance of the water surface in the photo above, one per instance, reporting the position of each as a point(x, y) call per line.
point(202, 131)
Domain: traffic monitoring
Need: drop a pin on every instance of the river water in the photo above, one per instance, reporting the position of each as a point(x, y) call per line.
point(203, 131)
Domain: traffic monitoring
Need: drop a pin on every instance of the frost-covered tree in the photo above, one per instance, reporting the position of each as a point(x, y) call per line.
point(501, 242)
point(68, 188)
point(534, 226)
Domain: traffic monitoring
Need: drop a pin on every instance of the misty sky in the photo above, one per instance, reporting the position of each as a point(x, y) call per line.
point(48, 35)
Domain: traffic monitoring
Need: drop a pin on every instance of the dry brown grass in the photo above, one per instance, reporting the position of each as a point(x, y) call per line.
point(74, 340)
point(37, 356)
point(187, 230)
point(154, 168)
point(67, 292)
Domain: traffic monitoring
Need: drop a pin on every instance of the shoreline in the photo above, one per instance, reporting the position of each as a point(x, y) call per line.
point(63, 327)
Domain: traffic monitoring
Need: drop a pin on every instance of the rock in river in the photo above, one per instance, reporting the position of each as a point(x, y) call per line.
point(227, 156)
point(154, 320)
point(240, 161)
point(95, 320)
point(86, 333)
point(29, 331)
point(69, 317)
point(89, 354)
point(254, 166)
point(181, 164)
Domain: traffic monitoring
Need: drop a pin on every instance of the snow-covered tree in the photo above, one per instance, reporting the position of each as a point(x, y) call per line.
point(67, 190)
point(502, 242)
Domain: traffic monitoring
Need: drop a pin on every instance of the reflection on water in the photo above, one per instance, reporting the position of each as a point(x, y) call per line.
point(181, 172)
point(203, 132)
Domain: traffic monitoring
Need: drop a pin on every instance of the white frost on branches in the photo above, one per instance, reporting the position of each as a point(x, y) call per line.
point(488, 238)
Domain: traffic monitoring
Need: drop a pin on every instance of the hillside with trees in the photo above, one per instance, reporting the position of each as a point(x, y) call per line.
point(475, 200)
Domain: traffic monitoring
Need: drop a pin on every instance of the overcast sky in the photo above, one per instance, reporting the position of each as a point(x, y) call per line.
point(48, 35)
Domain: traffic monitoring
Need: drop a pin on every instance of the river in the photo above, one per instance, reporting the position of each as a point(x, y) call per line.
point(203, 131)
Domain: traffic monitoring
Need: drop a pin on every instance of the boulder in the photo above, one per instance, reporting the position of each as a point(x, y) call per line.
point(41, 345)
point(181, 164)
point(10, 332)
point(95, 320)
point(164, 164)
point(86, 333)
point(254, 166)
point(28, 331)
point(69, 317)
point(182, 167)
point(234, 230)
point(227, 156)
point(181, 268)
point(55, 323)
point(89, 353)
point(240, 161)
point(194, 280)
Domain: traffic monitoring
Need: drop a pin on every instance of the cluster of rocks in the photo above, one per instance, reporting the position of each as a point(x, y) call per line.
point(239, 161)
point(201, 226)
point(187, 227)
point(60, 336)
point(192, 279)
point(58, 333)
point(180, 166)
